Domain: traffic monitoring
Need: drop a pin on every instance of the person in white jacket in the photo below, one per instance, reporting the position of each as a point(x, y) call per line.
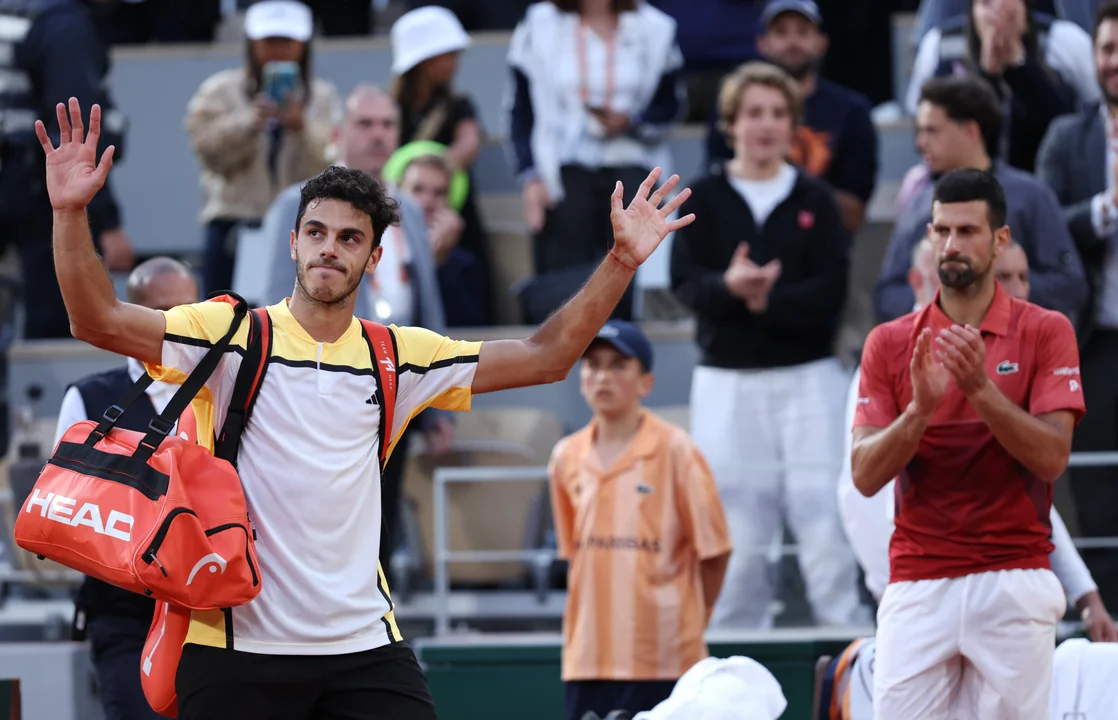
point(868, 521)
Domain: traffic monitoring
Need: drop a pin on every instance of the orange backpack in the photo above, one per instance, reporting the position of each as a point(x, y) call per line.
point(163, 648)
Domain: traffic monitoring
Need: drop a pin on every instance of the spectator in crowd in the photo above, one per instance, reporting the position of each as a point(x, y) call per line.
point(426, 44)
point(715, 38)
point(404, 290)
point(594, 95)
point(137, 22)
point(668, 551)
point(343, 18)
point(1079, 160)
point(37, 79)
point(116, 621)
point(764, 268)
point(426, 180)
point(480, 15)
point(941, 14)
point(957, 120)
point(868, 521)
point(1039, 68)
point(836, 140)
point(250, 144)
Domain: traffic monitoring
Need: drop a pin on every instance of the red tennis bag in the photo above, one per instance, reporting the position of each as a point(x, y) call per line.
point(159, 662)
point(153, 513)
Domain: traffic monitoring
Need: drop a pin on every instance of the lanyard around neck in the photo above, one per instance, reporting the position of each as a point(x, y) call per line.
point(584, 70)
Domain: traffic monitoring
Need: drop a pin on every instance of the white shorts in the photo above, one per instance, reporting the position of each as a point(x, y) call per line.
point(978, 647)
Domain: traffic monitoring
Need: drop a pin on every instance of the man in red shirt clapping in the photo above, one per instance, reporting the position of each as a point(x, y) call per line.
point(970, 403)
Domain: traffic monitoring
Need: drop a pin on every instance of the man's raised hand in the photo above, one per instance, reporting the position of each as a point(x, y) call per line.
point(73, 174)
point(640, 228)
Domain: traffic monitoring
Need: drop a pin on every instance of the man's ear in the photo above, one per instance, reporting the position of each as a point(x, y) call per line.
point(374, 259)
point(1002, 240)
point(763, 44)
point(648, 381)
point(293, 238)
point(824, 43)
point(916, 282)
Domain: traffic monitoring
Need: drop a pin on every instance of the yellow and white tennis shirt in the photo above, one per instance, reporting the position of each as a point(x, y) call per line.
point(309, 464)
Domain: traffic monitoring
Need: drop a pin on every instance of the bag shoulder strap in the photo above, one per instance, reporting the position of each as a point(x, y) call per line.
point(250, 376)
point(161, 425)
point(382, 345)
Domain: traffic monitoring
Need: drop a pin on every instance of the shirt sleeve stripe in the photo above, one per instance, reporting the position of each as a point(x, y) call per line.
point(199, 342)
point(438, 364)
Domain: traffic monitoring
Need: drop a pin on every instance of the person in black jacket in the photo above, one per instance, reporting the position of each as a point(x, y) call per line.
point(114, 620)
point(764, 267)
point(50, 51)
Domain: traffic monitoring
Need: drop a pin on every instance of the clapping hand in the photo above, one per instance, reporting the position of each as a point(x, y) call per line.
point(73, 174)
point(1001, 44)
point(640, 228)
point(930, 379)
point(963, 352)
point(749, 281)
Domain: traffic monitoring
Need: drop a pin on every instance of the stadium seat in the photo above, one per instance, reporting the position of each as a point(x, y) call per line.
point(485, 516)
point(678, 415)
point(821, 666)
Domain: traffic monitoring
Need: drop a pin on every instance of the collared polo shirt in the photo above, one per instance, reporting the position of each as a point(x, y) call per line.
point(635, 534)
point(964, 504)
point(309, 464)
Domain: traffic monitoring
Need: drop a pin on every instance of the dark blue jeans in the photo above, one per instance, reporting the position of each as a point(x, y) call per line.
point(116, 644)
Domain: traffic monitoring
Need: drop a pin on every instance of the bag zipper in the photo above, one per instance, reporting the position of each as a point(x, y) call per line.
point(161, 535)
point(248, 556)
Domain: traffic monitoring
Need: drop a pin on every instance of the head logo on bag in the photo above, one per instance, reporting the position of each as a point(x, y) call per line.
point(60, 509)
point(215, 562)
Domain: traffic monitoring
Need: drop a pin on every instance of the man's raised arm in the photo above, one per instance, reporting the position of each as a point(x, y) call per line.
point(73, 177)
point(550, 353)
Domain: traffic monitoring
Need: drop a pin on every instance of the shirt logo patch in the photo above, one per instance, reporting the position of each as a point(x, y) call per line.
point(1066, 371)
point(643, 489)
point(807, 219)
point(372, 400)
point(1073, 385)
point(1006, 367)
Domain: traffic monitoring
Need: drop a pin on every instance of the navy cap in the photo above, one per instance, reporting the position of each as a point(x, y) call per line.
point(628, 339)
point(807, 8)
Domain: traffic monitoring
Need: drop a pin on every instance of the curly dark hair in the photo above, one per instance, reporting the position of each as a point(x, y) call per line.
point(357, 188)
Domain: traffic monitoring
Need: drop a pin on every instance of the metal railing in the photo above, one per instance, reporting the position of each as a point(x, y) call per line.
point(443, 556)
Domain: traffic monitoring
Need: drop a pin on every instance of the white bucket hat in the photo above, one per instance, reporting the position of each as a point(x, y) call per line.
point(424, 33)
point(734, 688)
point(279, 18)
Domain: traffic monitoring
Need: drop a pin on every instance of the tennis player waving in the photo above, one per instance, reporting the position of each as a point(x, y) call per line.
point(320, 641)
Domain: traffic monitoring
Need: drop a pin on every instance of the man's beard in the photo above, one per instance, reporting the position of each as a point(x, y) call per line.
point(959, 278)
point(321, 297)
point(1109, 97)
point(799, 71)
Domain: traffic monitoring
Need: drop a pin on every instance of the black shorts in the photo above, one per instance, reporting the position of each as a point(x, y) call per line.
point(604, 696)
point(381, 684)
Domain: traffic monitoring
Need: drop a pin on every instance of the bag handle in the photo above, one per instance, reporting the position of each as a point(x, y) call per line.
point(382, 344)
point(112, 414)
point(245, 389)
point(161, 425)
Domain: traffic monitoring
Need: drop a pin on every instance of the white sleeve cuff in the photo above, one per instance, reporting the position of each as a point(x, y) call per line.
point(1104, 215)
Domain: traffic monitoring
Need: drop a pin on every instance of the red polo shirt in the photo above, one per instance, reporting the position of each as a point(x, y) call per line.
point(963, 504)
